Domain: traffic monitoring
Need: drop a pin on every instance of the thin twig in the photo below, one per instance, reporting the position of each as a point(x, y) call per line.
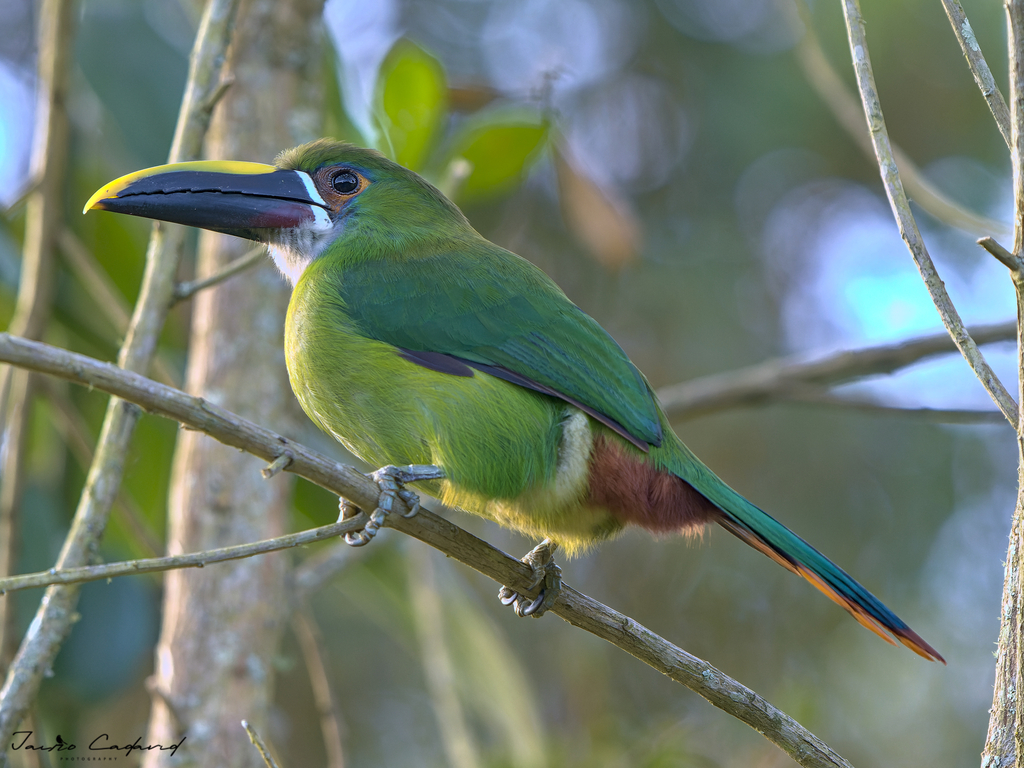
point(56, 612)
point(227, 79)
point(97, 283)
point(310, 640)
point(905, 218)
point(833, 91)
point(773, 379)
point(108, 299)
point(979, 67)
point(316, 570)
point(28, 187)
point(250, 258)
point(1003, 739)
point(818, 396)
point(1007, 259)
point(460, 748)
point(578, 609)
point(44, 212)
point(77, 437)
point(202, 559)
point(257, 742)
point(278, 465)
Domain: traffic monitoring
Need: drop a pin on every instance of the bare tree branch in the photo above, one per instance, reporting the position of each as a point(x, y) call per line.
point(265, 753)
point(460, 748)
point(44, 212)
point(250, 258)
point(308, 634)
point(905, 218)
point(1003, 740)
point(105, 294)
point(819, 396)
point(75, 433)
point(979, 67)
point(316, 570)
point(777, 378)
point(56, 612)
point(275, 60)
point(1007, 259)
point(576, 608)
point(202, 559)
point(833, 91)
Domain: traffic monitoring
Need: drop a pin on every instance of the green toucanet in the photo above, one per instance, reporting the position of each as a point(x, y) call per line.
point(415, 341)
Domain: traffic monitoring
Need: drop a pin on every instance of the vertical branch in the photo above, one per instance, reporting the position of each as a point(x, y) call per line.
point(35, 292)
point(218, 641)
point(905, 218)
point(56, 612)
point(313, 653)
point(979, 67)
point(459, 746)
point(846, 109)
point(1004, 742)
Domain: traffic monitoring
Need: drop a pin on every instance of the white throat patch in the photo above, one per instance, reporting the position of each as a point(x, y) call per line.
point(297, 247)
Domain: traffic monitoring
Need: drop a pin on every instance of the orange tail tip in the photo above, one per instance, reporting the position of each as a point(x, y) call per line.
point(904, 634)
point(916, 643)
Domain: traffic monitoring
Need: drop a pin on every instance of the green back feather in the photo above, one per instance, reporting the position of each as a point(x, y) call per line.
point(416, 275)
point(475, 301)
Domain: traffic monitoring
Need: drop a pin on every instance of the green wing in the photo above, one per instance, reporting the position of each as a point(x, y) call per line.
point(485, 306)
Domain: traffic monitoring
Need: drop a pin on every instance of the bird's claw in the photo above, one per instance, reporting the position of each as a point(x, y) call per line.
point(546, 575)
point(391, 480)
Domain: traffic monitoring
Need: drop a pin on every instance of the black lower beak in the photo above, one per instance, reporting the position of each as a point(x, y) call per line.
point(249, 200)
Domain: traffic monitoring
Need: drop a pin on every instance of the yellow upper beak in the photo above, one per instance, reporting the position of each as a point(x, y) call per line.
point(250, 200)
point(126, 183)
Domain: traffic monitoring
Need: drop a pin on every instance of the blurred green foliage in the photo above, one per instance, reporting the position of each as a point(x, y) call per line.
point(412, 103)
point(499, 143)
point(879, 495)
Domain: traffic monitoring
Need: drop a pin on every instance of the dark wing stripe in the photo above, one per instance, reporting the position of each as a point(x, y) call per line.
point(456, 366)
point(436, 361)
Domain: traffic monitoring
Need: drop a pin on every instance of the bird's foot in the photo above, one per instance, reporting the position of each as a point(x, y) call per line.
point(546, 575)
point(391, 480)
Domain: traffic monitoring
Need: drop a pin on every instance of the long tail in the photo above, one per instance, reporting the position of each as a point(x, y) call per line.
point(763, 532)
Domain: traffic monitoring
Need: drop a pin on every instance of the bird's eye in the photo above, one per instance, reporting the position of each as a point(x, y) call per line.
point(345, 183)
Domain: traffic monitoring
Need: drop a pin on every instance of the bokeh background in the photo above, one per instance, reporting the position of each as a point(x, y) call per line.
point(751, 227)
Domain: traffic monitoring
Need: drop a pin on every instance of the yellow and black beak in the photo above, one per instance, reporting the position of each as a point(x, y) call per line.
point(250, 200)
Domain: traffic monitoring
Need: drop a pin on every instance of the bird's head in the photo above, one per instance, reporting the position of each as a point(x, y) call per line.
point(313, 196)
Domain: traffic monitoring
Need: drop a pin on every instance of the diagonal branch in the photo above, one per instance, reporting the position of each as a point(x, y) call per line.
point(905, 218)
point(578, 609)
point(1003, 256)
point(56, 612)
point(105, 294)
point(78, 438)
point(775, 379)
point(830, 87)
point(817, 396)
point(268, 756)
point(248, 259)
point(44, 211)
